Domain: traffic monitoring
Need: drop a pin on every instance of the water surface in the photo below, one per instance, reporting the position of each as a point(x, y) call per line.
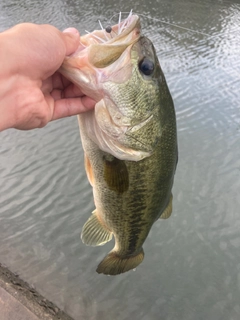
point(191, 268)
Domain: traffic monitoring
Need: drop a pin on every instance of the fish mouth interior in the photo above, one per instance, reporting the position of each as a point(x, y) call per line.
point(117, 32)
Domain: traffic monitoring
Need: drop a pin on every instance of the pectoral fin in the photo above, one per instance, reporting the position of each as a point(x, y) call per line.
point(94, 233)
point(168, 211)
point(116, 175)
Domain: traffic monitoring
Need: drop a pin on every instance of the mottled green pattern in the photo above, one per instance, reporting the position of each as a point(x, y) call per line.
point(130, 214)
point(138, 99)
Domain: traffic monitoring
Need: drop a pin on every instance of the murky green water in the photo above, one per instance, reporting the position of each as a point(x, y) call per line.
point(191, 268)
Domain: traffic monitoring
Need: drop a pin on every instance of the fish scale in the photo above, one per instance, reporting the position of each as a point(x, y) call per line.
point(129, 141)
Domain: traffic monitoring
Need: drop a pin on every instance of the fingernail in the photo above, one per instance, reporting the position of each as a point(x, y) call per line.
point(71, 30)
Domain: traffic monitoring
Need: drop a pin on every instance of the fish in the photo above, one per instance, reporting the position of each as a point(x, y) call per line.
point(129, 139)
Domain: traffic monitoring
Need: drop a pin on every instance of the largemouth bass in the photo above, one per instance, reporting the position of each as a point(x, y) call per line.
point(129, 139)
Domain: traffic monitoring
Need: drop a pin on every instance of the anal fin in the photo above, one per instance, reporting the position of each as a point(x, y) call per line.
point(168, 210)
point(94, 233)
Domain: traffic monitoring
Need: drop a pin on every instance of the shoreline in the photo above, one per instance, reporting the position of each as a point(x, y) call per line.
point(20, 301)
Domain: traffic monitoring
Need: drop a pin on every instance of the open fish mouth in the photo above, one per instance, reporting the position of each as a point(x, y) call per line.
point(99, 49)
point(113, 34)
point(105, 46)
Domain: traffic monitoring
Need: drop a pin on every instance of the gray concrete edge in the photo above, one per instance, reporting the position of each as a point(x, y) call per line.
point(28, 298)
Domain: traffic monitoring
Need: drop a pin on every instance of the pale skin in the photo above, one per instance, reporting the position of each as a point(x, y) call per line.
point(32, 91)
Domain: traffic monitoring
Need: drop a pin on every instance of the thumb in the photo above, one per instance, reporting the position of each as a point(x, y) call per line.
point(71, 39)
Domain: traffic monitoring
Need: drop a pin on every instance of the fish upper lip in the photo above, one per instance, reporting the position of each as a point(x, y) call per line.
point(100, 36)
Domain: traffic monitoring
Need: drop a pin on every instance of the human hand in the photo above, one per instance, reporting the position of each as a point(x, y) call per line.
point(32, 91)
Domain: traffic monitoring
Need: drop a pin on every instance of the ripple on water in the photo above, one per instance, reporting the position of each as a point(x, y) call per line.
point(191, 265)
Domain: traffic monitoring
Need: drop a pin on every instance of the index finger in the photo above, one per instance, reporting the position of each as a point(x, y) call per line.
point(70, 107)
point(72, 91)
point(69, 90)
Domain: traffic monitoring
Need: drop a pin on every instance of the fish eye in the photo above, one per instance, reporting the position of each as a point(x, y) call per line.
point(146, 66)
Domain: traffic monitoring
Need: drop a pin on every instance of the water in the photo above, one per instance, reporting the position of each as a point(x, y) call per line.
point(191, 268)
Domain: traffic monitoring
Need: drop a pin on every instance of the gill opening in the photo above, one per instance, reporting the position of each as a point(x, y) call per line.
point(145, 146)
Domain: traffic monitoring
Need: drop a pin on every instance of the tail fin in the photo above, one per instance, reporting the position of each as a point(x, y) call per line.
point(113, 264)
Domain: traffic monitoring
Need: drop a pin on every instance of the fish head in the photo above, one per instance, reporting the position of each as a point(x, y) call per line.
point(93, 62)
point(121, 72)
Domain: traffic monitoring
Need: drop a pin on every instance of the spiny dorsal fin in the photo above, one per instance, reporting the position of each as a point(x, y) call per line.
point(94, 233)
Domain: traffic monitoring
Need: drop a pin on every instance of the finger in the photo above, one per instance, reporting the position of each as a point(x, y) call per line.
point(71, 38)
point(47, 85)
point(73, 106)
point(59, 94)
point(72, 91)
point(59, 81)
point(56, 94)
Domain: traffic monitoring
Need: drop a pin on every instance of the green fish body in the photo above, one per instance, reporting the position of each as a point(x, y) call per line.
point(130, 147)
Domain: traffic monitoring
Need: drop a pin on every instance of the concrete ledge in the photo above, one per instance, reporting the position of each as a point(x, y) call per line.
point(13, 309)
point(19, 301)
